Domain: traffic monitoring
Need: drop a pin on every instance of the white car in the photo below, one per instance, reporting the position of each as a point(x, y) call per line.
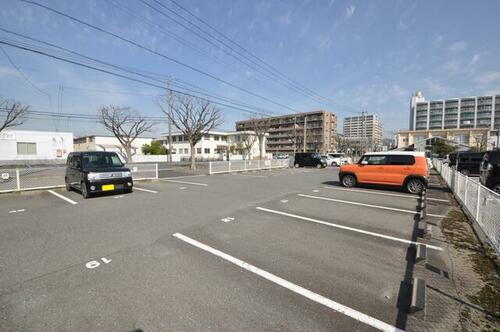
point(338, 159)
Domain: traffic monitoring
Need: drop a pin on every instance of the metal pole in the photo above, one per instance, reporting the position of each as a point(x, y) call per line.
point(18, 180)
point(305, 132)
point(477, 203)
point(156, 171)
point(169, 97)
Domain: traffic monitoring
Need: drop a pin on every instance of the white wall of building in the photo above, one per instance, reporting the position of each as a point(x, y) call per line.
point(212, 145)
point(19, 145)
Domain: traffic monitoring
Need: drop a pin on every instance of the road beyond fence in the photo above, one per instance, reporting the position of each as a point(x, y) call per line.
point(481, 203)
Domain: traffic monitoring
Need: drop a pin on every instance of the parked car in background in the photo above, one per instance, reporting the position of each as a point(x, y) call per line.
point(339, 159)
point(405, 169)
point(311, 159)
point(329, 160)
point(490, 171)
point(280, 156)
point(97, 171)
point(467, 163)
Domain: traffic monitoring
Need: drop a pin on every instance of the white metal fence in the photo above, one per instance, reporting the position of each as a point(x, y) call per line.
point(216, 167)
point(19, 179)
point(481, 203)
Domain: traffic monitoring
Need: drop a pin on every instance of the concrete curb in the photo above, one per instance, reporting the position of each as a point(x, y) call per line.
point(421, 255)
point(417, 296)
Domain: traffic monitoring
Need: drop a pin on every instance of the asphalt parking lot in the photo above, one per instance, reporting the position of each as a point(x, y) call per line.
point(282, 249)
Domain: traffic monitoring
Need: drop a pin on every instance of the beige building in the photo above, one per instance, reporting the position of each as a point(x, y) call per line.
point(108, 143)
point(287, 132)
point(365, 129)
point(473, 137)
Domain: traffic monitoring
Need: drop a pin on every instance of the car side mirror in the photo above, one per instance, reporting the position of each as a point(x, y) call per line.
point(364, 162)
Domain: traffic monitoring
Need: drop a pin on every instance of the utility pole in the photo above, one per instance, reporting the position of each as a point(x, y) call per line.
point(305, 131)
point(170, 102)
point(294, 135)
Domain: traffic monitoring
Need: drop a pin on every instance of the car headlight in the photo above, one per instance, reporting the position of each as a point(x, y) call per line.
point(93, 176)
point(126, 174)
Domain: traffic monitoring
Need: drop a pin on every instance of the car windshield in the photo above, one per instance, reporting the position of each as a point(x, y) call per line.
point(99, 159)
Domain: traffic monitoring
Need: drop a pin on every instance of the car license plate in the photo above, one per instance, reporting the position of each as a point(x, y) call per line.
point(108, 187)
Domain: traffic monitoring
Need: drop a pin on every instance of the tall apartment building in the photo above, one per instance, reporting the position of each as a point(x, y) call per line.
point(455, 113)
point(364, 128)
point(287, 132)
point(467, 120)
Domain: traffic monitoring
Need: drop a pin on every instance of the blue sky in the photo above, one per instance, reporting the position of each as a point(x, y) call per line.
point(361, 55)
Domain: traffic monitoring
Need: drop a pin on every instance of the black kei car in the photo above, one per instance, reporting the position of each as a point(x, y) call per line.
point(312, 159)
point(490, 171)
point(97, 171)
point(468, 162)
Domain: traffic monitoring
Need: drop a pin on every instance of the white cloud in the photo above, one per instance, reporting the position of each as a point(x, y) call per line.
point(489, 77)
point(405, 24)
point(349, 11)
point(458, 46)
point(304, 29)
point(453, 66)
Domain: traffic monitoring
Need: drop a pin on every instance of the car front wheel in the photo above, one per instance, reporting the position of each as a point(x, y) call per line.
point(68, 186)
point(415, 186)
point(348, 181)
point(85, 193)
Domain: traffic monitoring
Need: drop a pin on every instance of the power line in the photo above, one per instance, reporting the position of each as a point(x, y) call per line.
point(119, 75)
point(271, 68)
point(138, 72)
point(262, 70)
point(185, 42)
point(131, 42)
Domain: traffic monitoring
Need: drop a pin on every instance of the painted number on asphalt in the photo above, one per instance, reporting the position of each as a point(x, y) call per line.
point(94, 264)
point(227, 219)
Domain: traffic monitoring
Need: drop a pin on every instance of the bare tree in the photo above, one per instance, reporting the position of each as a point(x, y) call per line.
point(261, 128)
point(248, 143)
point(126, 125)
point(193, 117)
point(15, 114)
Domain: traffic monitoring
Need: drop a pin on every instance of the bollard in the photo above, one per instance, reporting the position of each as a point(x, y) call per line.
point(156, 171)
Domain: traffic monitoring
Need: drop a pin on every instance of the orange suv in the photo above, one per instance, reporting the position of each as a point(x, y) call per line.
point(405, 169)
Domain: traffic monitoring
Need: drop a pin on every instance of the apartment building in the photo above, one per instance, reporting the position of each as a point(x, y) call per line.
point(215, 144)
point(310, 131)
point(455, 113)
point(364, 128)
point(468, 121)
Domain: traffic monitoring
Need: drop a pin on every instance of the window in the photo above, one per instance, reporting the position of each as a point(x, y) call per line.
point(26, 148)
point(401, 160)
point(375, 160)
point(186, 151)
point(198, 150)
point(216, 138)
point(223, 138)
point(174, 139)
point(101, 159)
point(207, 150)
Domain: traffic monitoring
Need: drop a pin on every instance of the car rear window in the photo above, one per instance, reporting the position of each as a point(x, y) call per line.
point(401, 160)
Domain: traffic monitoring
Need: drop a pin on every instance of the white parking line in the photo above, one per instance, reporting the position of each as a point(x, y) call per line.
point(385, 194)
point(251, 176)
point(62, 197)
point(186, 182)
point(359, 316)
point(184, 176)
point(368, 205)
point(146, 190)
point(357, 230)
